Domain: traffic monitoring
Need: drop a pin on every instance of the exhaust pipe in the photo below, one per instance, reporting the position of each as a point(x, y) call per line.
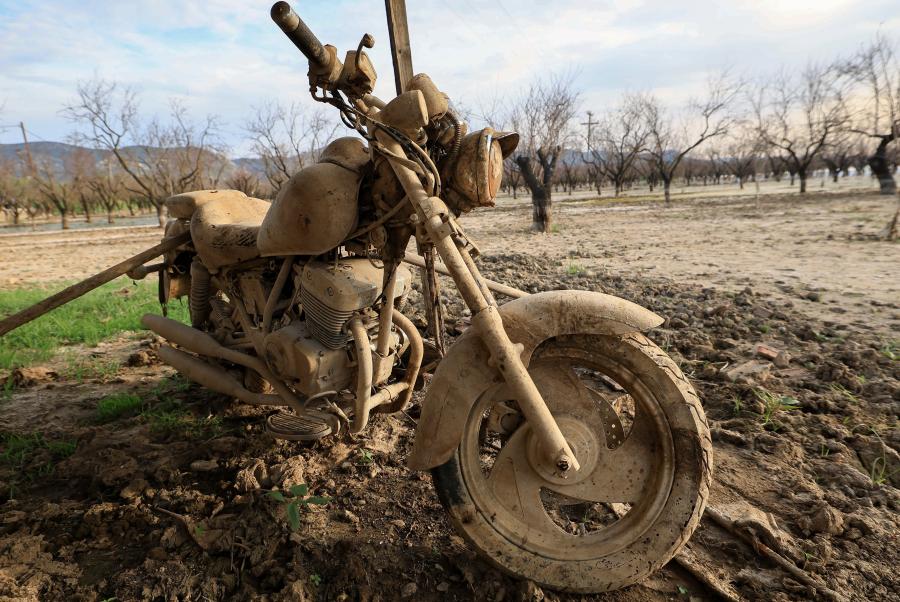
point(213, 377)
point(202, 344)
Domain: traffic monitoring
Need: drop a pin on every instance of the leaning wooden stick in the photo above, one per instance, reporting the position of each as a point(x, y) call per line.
point(85, 286)
point(494, 286)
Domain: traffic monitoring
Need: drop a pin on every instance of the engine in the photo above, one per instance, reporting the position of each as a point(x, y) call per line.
point(315, 353)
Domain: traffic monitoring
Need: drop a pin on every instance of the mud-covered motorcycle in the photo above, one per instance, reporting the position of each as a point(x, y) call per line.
point(565, 446)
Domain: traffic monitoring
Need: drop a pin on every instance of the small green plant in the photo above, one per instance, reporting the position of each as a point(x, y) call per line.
point(773, 405)
point(824, 451)
point(364, 457)
point(683, 591)
point(765, 328)
point(115, 406)
point(315, 579)
point(737, 404)
point(81, 369)
point(891, 350)
point(297, 497)
point(574, 269)
point(844, 392)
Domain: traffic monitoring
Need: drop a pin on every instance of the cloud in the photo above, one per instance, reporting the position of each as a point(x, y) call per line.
point(225, 56)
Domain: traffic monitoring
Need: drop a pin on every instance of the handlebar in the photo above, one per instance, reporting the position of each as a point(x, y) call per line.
point(298, 33)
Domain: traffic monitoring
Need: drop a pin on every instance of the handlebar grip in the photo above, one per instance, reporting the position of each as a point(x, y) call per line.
point(298, 33)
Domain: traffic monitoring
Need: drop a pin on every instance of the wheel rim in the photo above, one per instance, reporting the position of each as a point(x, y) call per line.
point(625, 477)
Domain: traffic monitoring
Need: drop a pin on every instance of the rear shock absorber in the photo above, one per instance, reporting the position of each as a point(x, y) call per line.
point(200, 294)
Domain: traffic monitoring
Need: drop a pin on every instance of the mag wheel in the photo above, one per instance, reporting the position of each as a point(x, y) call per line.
point(639, 433)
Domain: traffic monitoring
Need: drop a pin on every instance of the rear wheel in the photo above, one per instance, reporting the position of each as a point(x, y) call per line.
point(639, 433)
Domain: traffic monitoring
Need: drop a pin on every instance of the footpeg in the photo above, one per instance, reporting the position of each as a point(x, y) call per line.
point(307, 427)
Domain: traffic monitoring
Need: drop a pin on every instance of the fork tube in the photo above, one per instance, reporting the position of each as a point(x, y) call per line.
point(487, 322)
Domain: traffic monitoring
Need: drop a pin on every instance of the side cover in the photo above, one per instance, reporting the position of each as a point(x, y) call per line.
point(464, 374)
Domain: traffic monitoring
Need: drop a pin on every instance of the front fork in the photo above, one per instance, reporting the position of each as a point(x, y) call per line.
point(434, 216)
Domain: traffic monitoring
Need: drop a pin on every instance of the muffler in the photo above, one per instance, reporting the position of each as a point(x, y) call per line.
point(201, 343)
point(213, 377)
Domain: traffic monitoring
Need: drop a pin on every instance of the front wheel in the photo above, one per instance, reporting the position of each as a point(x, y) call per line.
point(639, 433)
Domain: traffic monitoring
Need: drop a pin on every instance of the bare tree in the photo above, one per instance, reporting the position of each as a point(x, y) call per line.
point(55, 191)
point(159, 160)
point(740, 156)
point(798, 116)
point(838, 155)
point(246, 181)
point(287, 138)
point(671, 137)
point(543, 117)
point(616, 142)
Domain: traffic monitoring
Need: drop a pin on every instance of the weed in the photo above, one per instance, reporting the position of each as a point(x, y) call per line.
point(891, 350)
point(20, 451)
point(683, 591)
point(574, 269)
point(737, 404)
point(773, 405)
point(824, 451)
point(765, 328)
point(115, 406)
point(315, 579)
point(364, 457)
point(296, 498)
point(844, 392)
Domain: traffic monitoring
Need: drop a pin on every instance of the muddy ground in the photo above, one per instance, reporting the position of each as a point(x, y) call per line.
point(169, 502)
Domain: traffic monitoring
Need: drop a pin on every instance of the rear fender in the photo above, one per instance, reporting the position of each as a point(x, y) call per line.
point(464, 374)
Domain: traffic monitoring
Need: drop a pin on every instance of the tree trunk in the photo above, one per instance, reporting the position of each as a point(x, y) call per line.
point(87, 210)
point(881, 169)
point(540, 215)
point(540, 196)
point(741, 182)
point(64, 219)
point(161, 214)
point(667, 184)
point(802, 175)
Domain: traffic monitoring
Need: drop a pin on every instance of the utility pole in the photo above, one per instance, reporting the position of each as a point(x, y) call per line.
point(398, 30)
point(590, 124)
point(27, 150)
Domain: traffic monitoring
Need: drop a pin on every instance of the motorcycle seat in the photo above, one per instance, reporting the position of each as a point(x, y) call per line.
point(224, 228)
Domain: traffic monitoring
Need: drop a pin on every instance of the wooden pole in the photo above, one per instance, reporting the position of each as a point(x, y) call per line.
point(398, 30)
point(85, 286)
point(494, 286)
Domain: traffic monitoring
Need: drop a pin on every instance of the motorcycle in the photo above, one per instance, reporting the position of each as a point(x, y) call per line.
point(565, 446)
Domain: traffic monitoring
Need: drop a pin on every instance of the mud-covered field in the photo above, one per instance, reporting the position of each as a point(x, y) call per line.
point(167, 500)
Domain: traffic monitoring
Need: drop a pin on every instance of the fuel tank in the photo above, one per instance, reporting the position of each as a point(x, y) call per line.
point(318, 207)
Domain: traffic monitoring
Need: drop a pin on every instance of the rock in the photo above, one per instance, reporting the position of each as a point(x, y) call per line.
point(349, 517)
point(728, 436)
point(812, 296)
point(29, 377)
point(134, 489)
point(409, 590)
point(138, 358)
point(778, 357)
point(827, 520)
point(443, 586)
point(250, 477)
point(749, 372)
point(204, 465)
point(289, 473)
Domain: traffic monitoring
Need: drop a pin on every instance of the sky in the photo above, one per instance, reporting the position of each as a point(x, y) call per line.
point(226, 57)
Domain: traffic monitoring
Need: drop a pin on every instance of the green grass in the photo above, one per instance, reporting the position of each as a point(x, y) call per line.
point(101, 314)
point(774, 405)
point(116, 406)
point(19, 452)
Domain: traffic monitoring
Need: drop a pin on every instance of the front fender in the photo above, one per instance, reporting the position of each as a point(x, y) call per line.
point(464, 374)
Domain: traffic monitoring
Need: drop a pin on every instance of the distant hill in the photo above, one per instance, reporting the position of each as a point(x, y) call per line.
point(58, 152)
